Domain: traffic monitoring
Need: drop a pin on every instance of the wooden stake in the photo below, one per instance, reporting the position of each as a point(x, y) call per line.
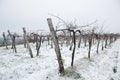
point(56, 44)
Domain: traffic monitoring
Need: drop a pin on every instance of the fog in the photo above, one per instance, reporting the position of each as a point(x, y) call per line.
point(32, 14)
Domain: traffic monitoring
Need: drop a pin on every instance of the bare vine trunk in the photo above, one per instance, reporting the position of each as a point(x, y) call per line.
point(90, 44)
point(106, 39)
point(38, 48)
point(102, 45)
point(74, 41)
point(79, 43)
point(98, 45)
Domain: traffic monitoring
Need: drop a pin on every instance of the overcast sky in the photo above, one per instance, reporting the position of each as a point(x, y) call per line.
point(32, 14)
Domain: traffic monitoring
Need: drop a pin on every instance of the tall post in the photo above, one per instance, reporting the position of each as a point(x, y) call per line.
point(56, 44)
point(5, 41)
point(27, 42)
point(24, 40)
point(11, 38)
point(98, 43)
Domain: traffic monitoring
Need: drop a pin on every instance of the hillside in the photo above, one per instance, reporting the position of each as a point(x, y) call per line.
point(19, 66)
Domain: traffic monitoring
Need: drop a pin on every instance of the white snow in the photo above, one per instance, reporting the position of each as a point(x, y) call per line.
point(19, 66)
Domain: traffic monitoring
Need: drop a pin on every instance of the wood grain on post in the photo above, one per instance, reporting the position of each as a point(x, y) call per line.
point(56, 44)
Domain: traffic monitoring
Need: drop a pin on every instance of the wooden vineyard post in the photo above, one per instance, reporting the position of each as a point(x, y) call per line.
point(11, 38)
point(27, 42)
point(24, 40)
point(14, 44)
point(5, 41)
point(56, 44)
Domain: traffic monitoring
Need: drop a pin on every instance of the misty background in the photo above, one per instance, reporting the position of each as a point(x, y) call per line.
point(32, 14)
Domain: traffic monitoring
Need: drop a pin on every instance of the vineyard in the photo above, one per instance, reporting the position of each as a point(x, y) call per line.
point(69, 53)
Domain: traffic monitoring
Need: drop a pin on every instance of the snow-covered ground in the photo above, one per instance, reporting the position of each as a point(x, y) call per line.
point(19, 66)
